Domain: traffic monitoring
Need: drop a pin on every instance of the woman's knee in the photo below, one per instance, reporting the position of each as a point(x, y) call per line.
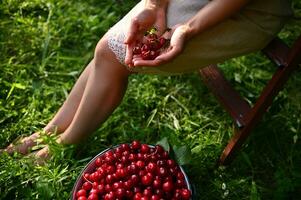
point(104, 57)
point(101, 50)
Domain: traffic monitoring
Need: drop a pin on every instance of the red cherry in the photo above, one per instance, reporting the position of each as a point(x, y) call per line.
point(128, 184)
point(168, 186)
point(120, 192)
point(98, 162)
point(93, 196)
point(101, 188)
point(159, 149)
point(120, 173)
point(137, 196)
point(95, 191)
point(146, 55)
point(151, 167)
point(82, 198)
point(154, 44)
point(186, 194)
point(162, 172)
point(136, 144)
point(129, 194)
point(140, 164)
point(136, 50)
point(108, 188)
point(147, 179)
point(81, 192)
point(147, 192)
point(87, 186)
point(135, 179)
point(162, 41)
point(117, 185)
point(109, 178)
point(155, 197)
point(125, 147)
point(110, 196)
point(153, 54)
point(157, 183)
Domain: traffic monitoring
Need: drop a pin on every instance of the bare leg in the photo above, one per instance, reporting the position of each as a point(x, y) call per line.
point(104, 91)
point(64, 116)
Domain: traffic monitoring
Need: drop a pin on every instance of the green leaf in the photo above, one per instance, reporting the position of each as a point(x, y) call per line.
point(182, 155)
point(164, 143)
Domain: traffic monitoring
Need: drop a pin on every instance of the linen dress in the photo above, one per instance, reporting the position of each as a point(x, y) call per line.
point(247, 31)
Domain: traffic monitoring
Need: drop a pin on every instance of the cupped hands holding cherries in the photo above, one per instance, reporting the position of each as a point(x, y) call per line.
point(153, 15)
point(155, 49)
point(134, 171)
point(150, 47)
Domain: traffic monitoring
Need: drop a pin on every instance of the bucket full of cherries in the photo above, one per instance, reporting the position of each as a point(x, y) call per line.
point(132, 171)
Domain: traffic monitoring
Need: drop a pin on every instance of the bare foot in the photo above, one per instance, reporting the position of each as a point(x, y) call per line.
point(24, 145)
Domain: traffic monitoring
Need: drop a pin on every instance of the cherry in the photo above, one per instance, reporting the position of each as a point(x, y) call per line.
point(128, 184)
point(101, 188)
point(82, 198)
point(125, 147)
point(135, 179)
point(93, 196)
point(98, 162)
point(171, 163)
point(110, 196)
point(95, 191)
point(140, 164)
point(147, 192)
point(151, 167)
point(81, 192)
point(87, 186)
point(186, 194)
point(162, 41)
point(137, 196)
point(136, 50)
point(129, 194)
point(157, 183)
point(155, 197)
point(136, 144)
point(120, 192)
point(147, 179)
point(168, 186)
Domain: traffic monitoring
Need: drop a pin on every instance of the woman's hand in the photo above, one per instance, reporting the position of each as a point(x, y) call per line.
point(146, 19)
point(178, 36)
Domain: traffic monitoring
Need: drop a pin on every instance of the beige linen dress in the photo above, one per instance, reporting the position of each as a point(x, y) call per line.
point(247, 31)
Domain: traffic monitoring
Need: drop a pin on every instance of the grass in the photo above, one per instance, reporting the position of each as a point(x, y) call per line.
point(44, 46)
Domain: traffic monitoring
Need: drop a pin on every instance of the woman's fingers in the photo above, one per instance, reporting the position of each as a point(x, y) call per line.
point(129, 54)
point(146, 63)
point(132, 31)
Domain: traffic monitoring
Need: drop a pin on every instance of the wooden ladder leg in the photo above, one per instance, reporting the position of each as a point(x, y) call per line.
point(279, 78)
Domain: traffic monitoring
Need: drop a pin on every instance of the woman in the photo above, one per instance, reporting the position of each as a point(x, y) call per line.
point(202, 32)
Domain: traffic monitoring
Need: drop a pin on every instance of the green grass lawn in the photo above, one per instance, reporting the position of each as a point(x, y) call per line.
point(45, 45)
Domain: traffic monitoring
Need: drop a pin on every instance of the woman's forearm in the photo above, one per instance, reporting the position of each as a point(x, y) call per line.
point(156, 3)
point(214, 12)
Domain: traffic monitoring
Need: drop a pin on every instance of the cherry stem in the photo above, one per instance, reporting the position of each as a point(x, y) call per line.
point(87, 179)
